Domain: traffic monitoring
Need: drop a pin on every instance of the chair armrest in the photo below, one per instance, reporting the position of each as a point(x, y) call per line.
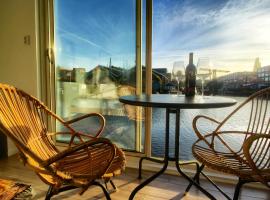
point(247, 145)
point(86, 116)
point(76, 148)
point(256, 157)
point(195, 128)
point(79, 134)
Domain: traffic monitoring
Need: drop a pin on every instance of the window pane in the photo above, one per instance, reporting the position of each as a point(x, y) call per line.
point(230, 42)
point(95, 64)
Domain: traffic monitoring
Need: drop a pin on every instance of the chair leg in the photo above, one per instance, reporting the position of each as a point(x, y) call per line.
point(112, 184)
point(49, 193)
point(107, 195)
point(140, 169)
point(238, 188)
point(196, 177)
point(198, 169)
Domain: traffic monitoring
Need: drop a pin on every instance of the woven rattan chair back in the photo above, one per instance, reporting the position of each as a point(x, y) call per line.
point(257, 107)
point(259, 114)
point(259, 123)
point(23, 119)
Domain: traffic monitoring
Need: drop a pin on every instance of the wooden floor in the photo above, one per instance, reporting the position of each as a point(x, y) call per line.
point(165, 187)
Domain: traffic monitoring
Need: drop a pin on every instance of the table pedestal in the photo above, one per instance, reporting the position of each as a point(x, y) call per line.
point(167, 158)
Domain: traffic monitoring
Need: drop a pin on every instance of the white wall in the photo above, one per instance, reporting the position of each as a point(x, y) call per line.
point(18, 61)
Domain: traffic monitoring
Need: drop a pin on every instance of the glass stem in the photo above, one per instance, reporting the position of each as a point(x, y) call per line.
point(202, 87)
point(178, 91)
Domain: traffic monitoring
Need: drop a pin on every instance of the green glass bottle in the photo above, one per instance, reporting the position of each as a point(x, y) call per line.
point(190, 83)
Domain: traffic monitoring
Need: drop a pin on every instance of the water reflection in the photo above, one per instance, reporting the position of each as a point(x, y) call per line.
point(187, 135)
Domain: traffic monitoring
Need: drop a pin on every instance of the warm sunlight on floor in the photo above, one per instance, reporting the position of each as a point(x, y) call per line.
point(165, 187)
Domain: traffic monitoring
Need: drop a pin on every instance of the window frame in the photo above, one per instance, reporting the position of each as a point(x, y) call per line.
point(48, 80)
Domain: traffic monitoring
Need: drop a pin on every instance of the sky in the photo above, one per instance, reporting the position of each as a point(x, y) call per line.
point(229, 33)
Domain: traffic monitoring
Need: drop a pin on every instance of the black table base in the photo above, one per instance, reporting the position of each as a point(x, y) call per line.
point(192, 181)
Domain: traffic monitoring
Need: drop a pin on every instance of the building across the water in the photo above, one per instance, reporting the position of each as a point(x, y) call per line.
point(237, 78)
point(263, 75)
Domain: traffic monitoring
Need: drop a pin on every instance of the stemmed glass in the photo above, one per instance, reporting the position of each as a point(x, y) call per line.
point(203, 70)
point(178, 73)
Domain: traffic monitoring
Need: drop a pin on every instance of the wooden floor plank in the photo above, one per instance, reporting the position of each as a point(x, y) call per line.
point(165, 187)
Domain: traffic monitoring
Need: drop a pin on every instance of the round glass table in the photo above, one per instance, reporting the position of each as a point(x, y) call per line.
point(173, 104)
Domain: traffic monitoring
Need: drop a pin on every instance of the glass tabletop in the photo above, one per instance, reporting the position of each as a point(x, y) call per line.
point(176, 101)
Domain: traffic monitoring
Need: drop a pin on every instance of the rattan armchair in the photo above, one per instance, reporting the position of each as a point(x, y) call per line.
point(249, 158)
point(86, 159)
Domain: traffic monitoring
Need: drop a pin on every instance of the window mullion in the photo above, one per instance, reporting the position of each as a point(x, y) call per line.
point(148, 55)
point(138, 126)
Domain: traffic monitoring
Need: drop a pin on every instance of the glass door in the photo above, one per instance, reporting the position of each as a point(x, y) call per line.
point(95, 54)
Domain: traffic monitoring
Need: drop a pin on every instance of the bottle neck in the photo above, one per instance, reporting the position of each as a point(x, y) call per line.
point(191, 58)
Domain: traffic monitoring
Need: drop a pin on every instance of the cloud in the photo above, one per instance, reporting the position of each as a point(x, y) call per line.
point(93, 32)
point(85, 40)
point(231, 33)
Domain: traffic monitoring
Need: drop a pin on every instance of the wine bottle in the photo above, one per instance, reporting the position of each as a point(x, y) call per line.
point(190, 83)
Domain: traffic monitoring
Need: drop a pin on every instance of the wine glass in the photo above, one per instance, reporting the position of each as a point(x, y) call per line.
point(203, 71)
point(178, 73)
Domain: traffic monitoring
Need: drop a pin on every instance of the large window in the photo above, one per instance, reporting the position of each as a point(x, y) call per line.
point(95, 47)
point(230, 42)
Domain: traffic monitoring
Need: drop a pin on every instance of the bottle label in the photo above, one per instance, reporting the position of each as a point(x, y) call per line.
point(190, 83)
point(192, 79)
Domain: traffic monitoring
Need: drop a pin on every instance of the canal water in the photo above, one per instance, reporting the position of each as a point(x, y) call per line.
point(187, 135)
point(238, 121)
point(121, 130)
